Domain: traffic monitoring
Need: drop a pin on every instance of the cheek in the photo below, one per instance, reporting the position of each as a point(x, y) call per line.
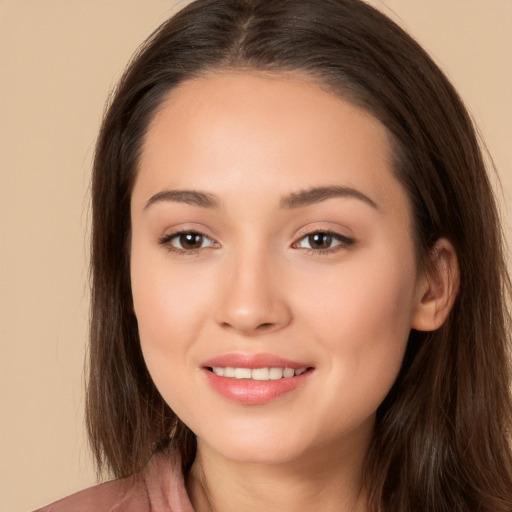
point(371, 294)
point(170, 306)
point(167, 295)
point(362, 320)
point(157, 306)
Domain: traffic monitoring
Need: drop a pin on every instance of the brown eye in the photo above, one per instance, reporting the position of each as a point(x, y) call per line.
point(320, 241)
point(189, 241)
point(324, 242)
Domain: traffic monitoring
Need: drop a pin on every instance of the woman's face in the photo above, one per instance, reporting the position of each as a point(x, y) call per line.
point(272, 244)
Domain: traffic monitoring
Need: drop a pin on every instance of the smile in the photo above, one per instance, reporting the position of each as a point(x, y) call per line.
point(255, 379)
point(271, 373)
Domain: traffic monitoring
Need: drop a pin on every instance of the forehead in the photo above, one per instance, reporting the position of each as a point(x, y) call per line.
point(254, 104)
point(229, 129)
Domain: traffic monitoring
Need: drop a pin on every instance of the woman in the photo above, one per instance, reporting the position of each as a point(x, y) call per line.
point(299, 288)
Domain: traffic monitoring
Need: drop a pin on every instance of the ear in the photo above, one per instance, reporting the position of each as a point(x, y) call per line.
point(437, 287)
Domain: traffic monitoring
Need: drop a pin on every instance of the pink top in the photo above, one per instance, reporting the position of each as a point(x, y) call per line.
point(160, 487)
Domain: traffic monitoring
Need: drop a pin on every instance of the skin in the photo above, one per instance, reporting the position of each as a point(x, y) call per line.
point(257, 284)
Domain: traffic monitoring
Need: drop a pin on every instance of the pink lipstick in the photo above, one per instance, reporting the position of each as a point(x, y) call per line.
point(254, 379)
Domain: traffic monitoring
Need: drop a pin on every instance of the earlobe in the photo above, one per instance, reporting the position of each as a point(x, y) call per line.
point(438, 288)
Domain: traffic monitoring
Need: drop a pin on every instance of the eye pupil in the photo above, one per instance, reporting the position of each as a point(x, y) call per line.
point(191, 240)
point(320, 240)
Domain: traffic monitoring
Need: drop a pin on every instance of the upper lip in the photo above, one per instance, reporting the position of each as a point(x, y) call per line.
point(239, 360)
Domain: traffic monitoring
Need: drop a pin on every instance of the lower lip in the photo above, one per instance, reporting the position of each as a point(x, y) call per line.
point(254, 392)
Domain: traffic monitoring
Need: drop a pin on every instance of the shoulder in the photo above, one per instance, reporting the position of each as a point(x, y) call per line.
point(159, 488)
point(127, 494)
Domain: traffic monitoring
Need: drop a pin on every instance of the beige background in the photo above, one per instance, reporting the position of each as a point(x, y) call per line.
point(58, 61)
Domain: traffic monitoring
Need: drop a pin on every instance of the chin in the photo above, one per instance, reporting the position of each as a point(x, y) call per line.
point(264, 454)
point(256, 446)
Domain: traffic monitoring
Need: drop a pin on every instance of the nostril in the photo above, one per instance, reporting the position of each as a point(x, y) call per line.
point(261, 327)
point(265, 326)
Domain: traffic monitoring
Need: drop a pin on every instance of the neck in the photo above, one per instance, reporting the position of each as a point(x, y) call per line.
point(326, 480)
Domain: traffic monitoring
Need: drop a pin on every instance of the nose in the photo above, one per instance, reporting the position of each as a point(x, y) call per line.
point(252, 298)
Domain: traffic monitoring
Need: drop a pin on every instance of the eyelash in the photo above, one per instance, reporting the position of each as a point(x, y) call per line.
point(344, 242)
point(166, 241)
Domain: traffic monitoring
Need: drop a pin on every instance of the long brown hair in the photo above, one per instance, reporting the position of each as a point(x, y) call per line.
point(442, 436)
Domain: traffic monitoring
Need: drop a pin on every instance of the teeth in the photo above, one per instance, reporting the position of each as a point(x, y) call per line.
point(243, 373)
point(260, 374)
point(275, 373)
point(288, 372)
point(257, 373)
point(229, 372)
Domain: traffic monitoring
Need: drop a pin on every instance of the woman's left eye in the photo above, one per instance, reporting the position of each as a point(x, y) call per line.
point(323, 241)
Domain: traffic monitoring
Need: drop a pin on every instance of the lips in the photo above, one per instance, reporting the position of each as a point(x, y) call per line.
point(254, 379)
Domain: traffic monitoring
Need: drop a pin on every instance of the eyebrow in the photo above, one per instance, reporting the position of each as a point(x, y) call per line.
point(319, 194)
point(192, 197)
point(295, 200)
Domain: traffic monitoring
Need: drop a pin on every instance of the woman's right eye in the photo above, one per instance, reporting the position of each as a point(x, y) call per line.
point(187, 242)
